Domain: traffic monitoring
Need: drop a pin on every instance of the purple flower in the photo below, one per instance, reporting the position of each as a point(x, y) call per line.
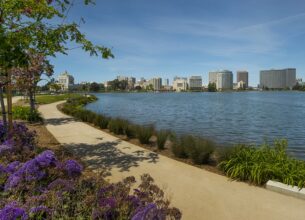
point(72, 168)
point(12, 211)
point(41, 211)
point(107, 202)
point(46, 158)
point(4, 148)
point(12, 182)
point(61, 184)
point(31, 171)
point(2, 169)
point(149, 212)
point(12, 167)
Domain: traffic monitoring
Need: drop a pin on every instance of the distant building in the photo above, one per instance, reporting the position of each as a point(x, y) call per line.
point(122, 78)
point(278, 79)
point(166, 82)
point(244, 77)
point(157, 84)
point(131, 82)
point(180, 84)
point(223, 79)
point(213, 77)
point(65, 81)
point(195, 83)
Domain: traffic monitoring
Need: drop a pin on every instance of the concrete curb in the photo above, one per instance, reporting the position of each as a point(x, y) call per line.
point(286, 189)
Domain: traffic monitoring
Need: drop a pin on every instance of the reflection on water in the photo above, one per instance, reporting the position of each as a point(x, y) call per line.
point(227, 118)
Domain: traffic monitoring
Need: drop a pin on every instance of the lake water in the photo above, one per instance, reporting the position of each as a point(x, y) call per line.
point(227, 118)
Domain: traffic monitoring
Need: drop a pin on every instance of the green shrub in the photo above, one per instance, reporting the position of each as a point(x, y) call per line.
point(258, 165)
point(199, 150)
point(179, 146)
point(144, 133)
point(223, 154)
point(161, 138)
point(118, 126)
point(25, 113)
point(130, 131)
point(101, 121)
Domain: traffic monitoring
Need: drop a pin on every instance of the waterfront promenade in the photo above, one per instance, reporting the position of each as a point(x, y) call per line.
point(199, 194)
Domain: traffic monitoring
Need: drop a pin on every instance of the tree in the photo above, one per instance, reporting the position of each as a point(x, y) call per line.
point(212, 87)
point(40, 25)
point(27, 78)
point(54, 87)
point(94, 87)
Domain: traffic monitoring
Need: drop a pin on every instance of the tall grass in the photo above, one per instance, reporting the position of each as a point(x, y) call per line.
point(162, 137)
point(144, 133)
point(258, 165)
point(118, 126)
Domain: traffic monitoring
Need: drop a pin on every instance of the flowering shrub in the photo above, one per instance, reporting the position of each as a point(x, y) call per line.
point(21, 141)
point(43, 187)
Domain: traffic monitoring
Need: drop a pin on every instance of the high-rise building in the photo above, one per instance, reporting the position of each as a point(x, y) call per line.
point(213, 77)
point(195, 83)
point(223, 79)
point(65, 81)
point(166, 82)
point(278, 79)
point(180, 84)
point(244, 77)
point(157, 83)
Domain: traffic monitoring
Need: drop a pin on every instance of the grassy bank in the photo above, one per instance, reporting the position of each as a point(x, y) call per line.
point(48, 99)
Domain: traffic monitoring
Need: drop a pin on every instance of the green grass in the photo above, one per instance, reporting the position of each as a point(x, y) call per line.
point(24, 113)
point(48, 99)
point(260, 164)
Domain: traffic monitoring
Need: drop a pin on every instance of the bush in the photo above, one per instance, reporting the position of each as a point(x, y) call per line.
point(118, 126)
point(130, 131)
point(161, 138)
point(101, 121)
point(260, 164)
point(179, 146)
point(25, 113)
point(199, 150)
point(144, 133)
point(223, 154)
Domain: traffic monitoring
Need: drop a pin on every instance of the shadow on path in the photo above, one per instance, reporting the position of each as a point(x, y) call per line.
point(59, 121)
point(105, 156)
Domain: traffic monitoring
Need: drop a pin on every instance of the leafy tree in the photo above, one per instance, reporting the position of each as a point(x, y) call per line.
point(94, 87)
point(212, 87)
point(40, 25)
point(55, 87)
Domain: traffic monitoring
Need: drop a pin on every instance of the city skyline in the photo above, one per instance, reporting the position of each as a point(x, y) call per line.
point(152, 38)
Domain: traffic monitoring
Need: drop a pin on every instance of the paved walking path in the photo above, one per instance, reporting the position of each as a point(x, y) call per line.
point(198, 193)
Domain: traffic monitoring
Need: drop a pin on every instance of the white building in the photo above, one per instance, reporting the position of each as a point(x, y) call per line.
point(223, 79)
point(65, 81)
point(157, 83)
point(195, 83)
point(180, 84)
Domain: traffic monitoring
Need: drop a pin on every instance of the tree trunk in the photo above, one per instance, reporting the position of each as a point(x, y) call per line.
point(3, 110)
point(9, 102)
point(32, 100)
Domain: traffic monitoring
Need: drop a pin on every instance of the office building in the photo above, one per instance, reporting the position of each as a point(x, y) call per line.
point(157, 83)
point(223, 79)
point(278, 79)
point(243, 76)
point(195, 83)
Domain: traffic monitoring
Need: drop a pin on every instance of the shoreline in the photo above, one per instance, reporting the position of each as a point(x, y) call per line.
point(188, 186)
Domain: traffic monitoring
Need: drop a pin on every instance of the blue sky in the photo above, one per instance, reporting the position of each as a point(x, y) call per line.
point(188, 37)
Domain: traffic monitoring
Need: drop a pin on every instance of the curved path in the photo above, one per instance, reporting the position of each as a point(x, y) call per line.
point(198, 193)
